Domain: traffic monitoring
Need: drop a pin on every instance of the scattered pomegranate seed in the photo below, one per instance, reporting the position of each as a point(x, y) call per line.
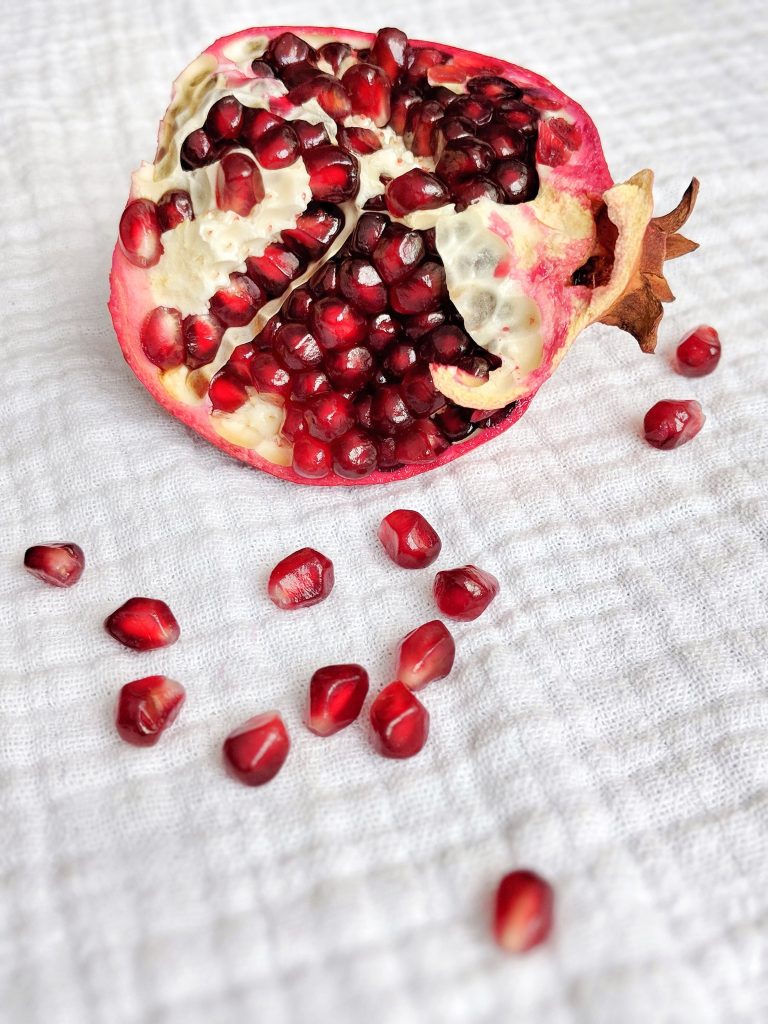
point(369, 89)
point(256, 751)
point(523, 911)
point(670, 423)
point(400, 722)
point(146, 707)
point(415, 190)
point(143, 623)
point(426, 654)
point(336, 697)
point(173, 208)
point(699, 352)
point(162, 340)
point(139, 233)
point(464, 593)
point(408, 539)
point(301, 579)
point(60, 565)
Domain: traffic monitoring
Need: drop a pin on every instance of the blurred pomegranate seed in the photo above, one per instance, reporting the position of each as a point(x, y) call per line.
point(277, 148)
point(226, 392)
point(337, 324)
point(389, 52)
point(300, 579)
point(311, 458)
point(197, 150)
point(336, 697)
point(329, 416)
point(400, 722)
point(139, 233)
point(173, 208)
point(464, 593)
point(275, 269)
point(238, 184)
point(161, 337)
point(421, 292)
point(523, 911)
point(143, 623)
point(670, 423)
point(225, 118)
point(397, 254)
point(369, 89)
point(237, 303)
point(408, 539)
point(382, 331)
point(699, 352)
point(415, 190)
point(455, 423)
point(354, 454)
point(146, 707)
point(260, 69)
point(333, 174)
point(293, 423)
point(60, 565)
point(256, 751)
point(202, 335)
point(426, 654)
point(334, 54)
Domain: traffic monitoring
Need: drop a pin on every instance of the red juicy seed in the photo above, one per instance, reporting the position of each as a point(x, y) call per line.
point(161, 337)
point(473, 108)
point(363, 406)
point(670, 423)
point(397, 254)
point(354, 454)
point(315, 230)
point(144, 624)
point(518, 182)
point(420, 394)
point(399, 359)
point(146, 707)
point(382, 331)
point(422, 323)
point(139, 233)
point(225, 118)
point(226, 391)
point(558, 140)
point(389, 413)
point(334, 54)
point(255, 753)
point(328, 92)
point(421, 444)
point(408, 539)
point(311, 458)
point(238, 184)
point(325, 281)
point(440, 94)
point(329, 416)
point(239, 363)
point(279, 147)
point(269, 376)
point(299, 303)
point(360, 141)
point(523, 911)
point(402, 100)
point(202, 336)
point(293, 424)
point(419, 61)
point(369, 89)
point(517, 115)
point(478, 366)
point(465, 193)
point(337, 324)
point(421, 130)
point(333, 173)
point(336, 697)
point(426, 654)
point(464, 593)
point(197, 150)
point(451, 128)
point(287, 49)
point(307, 385)
point(310, 135)
point(260, 69)
point(491, 87)
point(173, 208)
point(301, 579)
point(699, 352)
point(448, 343)
point(503, 141)
point(61, 565)
point(385, 446)
point(455, 422)
point(464, 158)
point(237, 304)
point(256, 124)
point(359, 282)
point(349, 369)
point(415, 190)
point(376, 203)
point(275, 269)
point(389, 52)
point(400, 722)
point(299, 73)
point(367, 233)
point(296, 348)
point(422, 292)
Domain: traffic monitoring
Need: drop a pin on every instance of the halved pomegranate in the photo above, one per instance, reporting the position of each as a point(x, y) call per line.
point(356, 257)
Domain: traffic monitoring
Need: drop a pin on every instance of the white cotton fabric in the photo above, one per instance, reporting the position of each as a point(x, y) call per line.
point(607, 720)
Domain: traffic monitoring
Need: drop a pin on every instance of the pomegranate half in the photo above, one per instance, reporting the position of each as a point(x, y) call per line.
point(356, 257)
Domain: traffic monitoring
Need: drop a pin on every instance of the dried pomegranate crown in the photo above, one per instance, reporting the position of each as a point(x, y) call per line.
point(356, 257)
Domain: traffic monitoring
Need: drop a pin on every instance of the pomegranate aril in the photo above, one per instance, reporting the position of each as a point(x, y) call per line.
point(439, 94)
point(329, 416)
point(300, 580)
point(448, 343)
point(419, 392)
point(402, 100)
point(699, 352)
point(143, 623)
point(382, 331)
point(455, 423)
point(173, 208)
point(334, 54)
point(202, 335)
point(296, 348)
point(139, 233)
point(237, 304)
point(275, 269)
point(294, 425)
point(336, 697)
point(368, 232)
point(315, 230)
point(670, 423)
point(415, 190)
point(269, 376)
point(492, 87)
point(225, 118)
point(420, 444)
point(449, 129)
point(389, 51)
point(325, 281)
point(517, 115)
point(517, 180)
point(369, 89)
point(359, 141)
point(408, 539)
point(197, 150)
point(349, 369)
point(385, 447)
point(311, 458)
point(426, 654)
point(465, 193)
point(558, 140)
point(389, 413)
point(277, 148)
point(307, 385)
point(238, 184)
point(473, 108)
point(287, 49)
point(255, 753)
point(419, 324)
point(299, 303)
point(146, 707)
point(523, 911)
point(256, 123)
point(360, 283)
point(297, 74)
point(333, 174)
point(161, 338)
point(420, 60)
point(310, 135)
point(397, 254)
point(239, 363)
point(260, 69)
point(328, 92)
point(464, 593)
point(399, 359)
point(421, 130)
point(60, 565)
point(399, 721)
point(464, 158)
point(354, 454)
point(227, 392)
point(337, 324)
point(421, 292)
point(503, 141)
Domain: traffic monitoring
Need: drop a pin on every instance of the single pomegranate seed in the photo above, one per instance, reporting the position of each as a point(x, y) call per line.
point(269, 376)
point(256, 124)
point(399, 359)
point(146, 707)
point(325, 280)
point(382, 331)
point(287, 49)
point(670, 423)
point(308, 384)
point(449, 129)
point(558, 140)
point(448, 343)
point(173, 208)
point(421, 131)
point(455, 423)
point(400, 722)
point(398, 254)
point(389, 52)
point(336, 697)
point(329, 416)
point(311, 458)
point(240, 362)
point(421, 292)
point(503, 141)
point(161, 337)
point(523, 911)
point(225, 118)
point(144, 624)
point(310, 135)
point(296, 348)
point(419, 324)
point(354, 454)
point(255, 753)
point(389, 413)
point(202, 335)
point(298, 73)
point(420, 444)
point(329, 93)
point(360, 283)
point(368, 232)
point(408, 539)
point(699, 352)
point(465, 193)
point(349, 369)
point(226, 392)
point(517, 115)
point(420, 394)
point(403, 98)
point(275, 269)
point(197, 150)
point(369, 89)
point(279, 147)
point(464, 593)
point(426, 654)
point(492, 87)
point(358, 141)
point(385, 447)
point(299, 303)
point(300, 579)
point(420, 60)
point(333, 173)
point(518, 182)
point(315, 230)
point(337, 324)
point(464, 158)
point(61, 565)
point(440, 94)
point(237, 304)
point(334, 54)
point(473, 108)
point(363, 406)
point(140, 233)
point(238, 184)
point(294, 425)
point(415, 190)
point(260, 69)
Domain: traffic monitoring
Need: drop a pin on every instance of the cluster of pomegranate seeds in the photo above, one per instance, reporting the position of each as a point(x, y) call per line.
point(301, 579)
point(256, 751)
point(143, 623)
point(523, 911)
point(60, 565)
point(146, 707)
point(672, 422)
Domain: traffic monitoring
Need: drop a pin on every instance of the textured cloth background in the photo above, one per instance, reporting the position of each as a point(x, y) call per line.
point(607, 722)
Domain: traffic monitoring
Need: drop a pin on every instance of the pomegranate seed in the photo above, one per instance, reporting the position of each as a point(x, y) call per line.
point(144, 624)
point(197, 150)
point(464, 593)
point(161, 337)
point(420, 60)
point(415, 190)
point(226, 392)
point(455, 423)
point(279, 147)
point(399, 359)
point(325, 281)
point(140, 233)
point(369, 89)
point(333, 173)
point(449, 129)
point(473, 108)
point(298, 73)
point(699, 352)
point(389, 52)
point(426, 654)
point(354, 454)
point(400, 722)
point(256, 751)
point(368, 232)
point(237, 304)
point(256, 124)
point(269, 376)
point(440, 94)
point(336, 697)
point(329, 416)
point(238, 184)
point(359, 282)
point(61, 565)
point(146, 707)
point(518, 182)
point(419, 324)
point(503, 140)
point(389, 413)
point(517, 115)
point(448, 343)
point(382, 331)
point(315, 230)
point(465, 193)
point(330, 94)
point(402, 100)
point(385, 447)
point(202, 335)
point(558, 140)
point(492, 87)
point(300, 579)
point(408, 539)
point(363, 406)
point(173, 208)
point(421, 131)
point(260, 69)
point(299, 304)
point(421, 444)
point(670, 423)
point(307, 385)
point(294, 425)
point(464, 158)
point(225, 118)
point(421, 292)
point(311, 458)
point(420, 394)
point(296, 348)
point(275, 269)
point(287, 49)
point(334, 54)
point(241, 360)
point(358, 141)
point(310, 135)
point(349, 369)
point(523, 911)
point(337, 324)
point(397, 254)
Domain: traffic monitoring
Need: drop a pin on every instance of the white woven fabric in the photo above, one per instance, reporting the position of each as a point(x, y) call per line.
point(607, 722)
